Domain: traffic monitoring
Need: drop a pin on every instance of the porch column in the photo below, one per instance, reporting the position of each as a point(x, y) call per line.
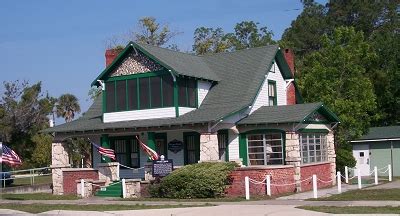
point(59, 160)
point(209, 147)
point(292, 156)
point(105, 142)
point(330, 139)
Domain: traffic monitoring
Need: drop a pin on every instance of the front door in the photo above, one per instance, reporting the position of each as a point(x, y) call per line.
point(191, 147)
point(161, 144)
point(361, 154)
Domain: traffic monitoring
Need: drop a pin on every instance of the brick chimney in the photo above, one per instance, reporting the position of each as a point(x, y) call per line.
point(291, 89)
point(111, 54)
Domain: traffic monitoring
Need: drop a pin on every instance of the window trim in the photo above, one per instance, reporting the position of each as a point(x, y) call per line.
point(128, 148)
point(325, 148)
point(224, 132)
point(272, 82)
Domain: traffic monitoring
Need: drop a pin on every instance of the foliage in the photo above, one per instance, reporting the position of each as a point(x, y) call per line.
point(344, 157)
point(247, 34)
point(67, 106)
point(41, 156)
point(202, 180)
point(94, 92)
point(209, 40)
point(78, 149)
point(23, 112)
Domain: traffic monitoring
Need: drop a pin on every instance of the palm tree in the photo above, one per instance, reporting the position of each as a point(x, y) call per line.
point(67, 106)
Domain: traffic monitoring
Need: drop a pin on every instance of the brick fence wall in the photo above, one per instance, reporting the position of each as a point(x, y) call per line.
point(71, 175)
point(280, 175)
point(323, 172)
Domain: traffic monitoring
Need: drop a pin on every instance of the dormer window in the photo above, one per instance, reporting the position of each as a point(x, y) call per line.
point(272, 99)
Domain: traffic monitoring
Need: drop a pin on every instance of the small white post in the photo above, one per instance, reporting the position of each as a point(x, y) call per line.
point(247, 187)
point(390, 172)
point(82, 163)
point(376, 175)
point(315, 186)
point(346, 174)
point(359, 178)
point(83, 188)
point(339, 182)
point(123, 188)
point(268, 185)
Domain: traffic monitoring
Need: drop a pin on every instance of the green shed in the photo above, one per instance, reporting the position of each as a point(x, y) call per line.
point(380, 147)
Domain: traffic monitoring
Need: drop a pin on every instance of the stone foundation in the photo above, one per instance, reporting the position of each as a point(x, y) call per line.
point(209, 147)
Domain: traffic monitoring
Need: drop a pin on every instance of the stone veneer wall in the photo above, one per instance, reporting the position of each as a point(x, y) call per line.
point(70, 176)
point(59, 160)
point(209, 147)
point(135, 63)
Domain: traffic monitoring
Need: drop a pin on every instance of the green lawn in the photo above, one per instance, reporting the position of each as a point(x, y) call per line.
point(353, 209)
point(37, 196)
point(27, 181)
point(378, 194)
point(38, 208)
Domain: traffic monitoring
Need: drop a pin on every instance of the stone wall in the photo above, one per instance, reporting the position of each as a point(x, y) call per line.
point(133, 188)
point(330, 138)
point(59, 160)
point(135, 63)
point(70, 176)
point(108, 172)
point(209, 147)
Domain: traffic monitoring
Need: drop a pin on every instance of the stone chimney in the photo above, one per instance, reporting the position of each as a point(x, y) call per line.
point(290, 89)
point(111, 54)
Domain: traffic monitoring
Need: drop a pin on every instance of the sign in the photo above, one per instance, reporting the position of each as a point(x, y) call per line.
point(175, 146)
point(162, 168)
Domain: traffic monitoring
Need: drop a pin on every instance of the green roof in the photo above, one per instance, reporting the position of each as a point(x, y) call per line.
point(287, 114)
point(376, 133)
point(238, 75)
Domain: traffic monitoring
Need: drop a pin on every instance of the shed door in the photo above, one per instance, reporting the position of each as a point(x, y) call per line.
point(361, 154)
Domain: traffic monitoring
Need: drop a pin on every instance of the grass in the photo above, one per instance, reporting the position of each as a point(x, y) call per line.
point(38, 208)
point(37, 196)
point(353, 209)
point(373, 194)
point(27, 181)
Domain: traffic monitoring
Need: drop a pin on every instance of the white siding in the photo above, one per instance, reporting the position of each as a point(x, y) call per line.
point(262, 95)
point(184, 110)
point(233, 146)
point(202, 90)
point(280, 84)
point(167, 112)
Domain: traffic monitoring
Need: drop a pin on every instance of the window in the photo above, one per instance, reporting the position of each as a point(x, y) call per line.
point(265, 149)
point(361, 154)
point(110, 96)
point(168, 90)
point(155, 86)
point(132, 94)
point(222, 145)
point(121, 95)
point(187, 92)
point(272, 100)
point(313, 147)
point(144, 93)
point(126, 151)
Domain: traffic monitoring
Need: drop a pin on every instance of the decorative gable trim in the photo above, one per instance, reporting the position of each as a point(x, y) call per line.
point(134, 63)
point(321, 115)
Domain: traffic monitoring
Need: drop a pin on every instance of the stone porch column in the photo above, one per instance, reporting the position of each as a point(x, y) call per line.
point(330, 139)
point(108, 172)
point(59, 160)
point(293, 156)
point(209, 147)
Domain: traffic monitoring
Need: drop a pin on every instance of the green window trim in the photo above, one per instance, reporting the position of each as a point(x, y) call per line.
point(275, 98)
point(243, 145)
point(306, 130)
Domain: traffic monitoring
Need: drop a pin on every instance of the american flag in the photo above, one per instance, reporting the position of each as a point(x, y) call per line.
point(104, 151)
point(9, 156)
point(152, 154)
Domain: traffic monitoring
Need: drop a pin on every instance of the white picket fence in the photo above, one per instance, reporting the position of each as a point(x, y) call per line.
point(267, 180)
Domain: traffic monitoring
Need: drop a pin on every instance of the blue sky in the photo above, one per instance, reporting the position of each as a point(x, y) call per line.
point(62, 43)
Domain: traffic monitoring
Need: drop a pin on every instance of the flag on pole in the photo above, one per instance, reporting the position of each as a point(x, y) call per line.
point(104, 151)
point(9, 156)
point(152, 154)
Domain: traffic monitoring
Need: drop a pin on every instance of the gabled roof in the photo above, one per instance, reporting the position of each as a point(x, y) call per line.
point(239, 77)
point(179, 63)
point(381, 133)
point(297, 113)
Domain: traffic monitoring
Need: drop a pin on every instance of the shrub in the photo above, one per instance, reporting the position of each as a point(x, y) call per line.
point(202, 180)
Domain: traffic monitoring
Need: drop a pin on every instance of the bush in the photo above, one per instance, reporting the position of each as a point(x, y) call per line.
point(202, 180)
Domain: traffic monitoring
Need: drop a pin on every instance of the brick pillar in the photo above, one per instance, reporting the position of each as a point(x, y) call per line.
point(209, 147)
point(330, 139)
point(59, 160)
point(293, 156)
